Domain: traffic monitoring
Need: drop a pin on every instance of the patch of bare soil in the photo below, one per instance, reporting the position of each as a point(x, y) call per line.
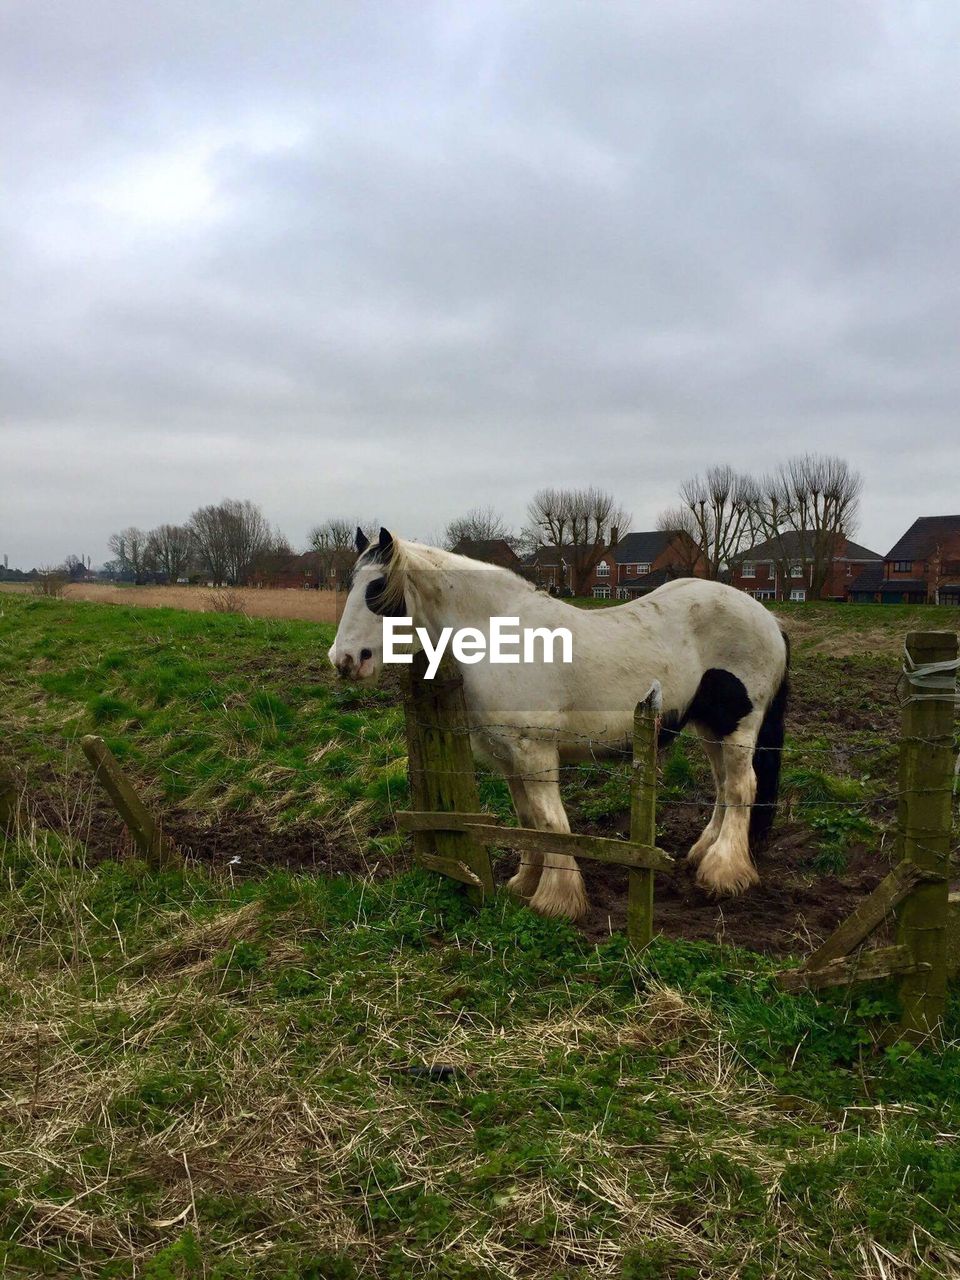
point(792, 909)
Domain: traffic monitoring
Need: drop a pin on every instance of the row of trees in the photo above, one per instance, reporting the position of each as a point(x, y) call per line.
point(225, 542)
point(580, 520)
point(800, 510)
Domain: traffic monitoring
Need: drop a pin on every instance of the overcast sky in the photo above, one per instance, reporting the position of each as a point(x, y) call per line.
point(400, 259)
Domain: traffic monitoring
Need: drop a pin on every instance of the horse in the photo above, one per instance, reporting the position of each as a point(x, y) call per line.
point(721, 660)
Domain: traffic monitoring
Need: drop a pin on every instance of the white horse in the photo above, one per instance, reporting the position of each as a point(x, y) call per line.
point(720, 657)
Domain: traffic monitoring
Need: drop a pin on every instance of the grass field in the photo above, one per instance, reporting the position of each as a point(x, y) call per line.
point(312, 606)
point(246, 1069)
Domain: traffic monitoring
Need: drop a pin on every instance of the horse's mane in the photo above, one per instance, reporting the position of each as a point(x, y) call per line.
point(418, 565)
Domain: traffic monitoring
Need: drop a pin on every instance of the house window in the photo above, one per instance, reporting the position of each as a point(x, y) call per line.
point(749, 569)
point(601, 593)
point(623, 593)
point(642, 569)
point(798, 593)
point(903, 566)
point(796, 570)
point(603, 569)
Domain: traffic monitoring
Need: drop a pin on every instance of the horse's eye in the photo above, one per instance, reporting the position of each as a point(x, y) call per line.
point(365, 654)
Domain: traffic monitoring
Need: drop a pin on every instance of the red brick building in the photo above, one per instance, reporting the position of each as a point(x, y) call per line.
point(922, 568)
point(313, 570)
point(628, 567)
point(491, 551)
point(782, 568)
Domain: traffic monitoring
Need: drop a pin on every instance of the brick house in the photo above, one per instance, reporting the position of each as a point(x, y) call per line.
point(491, 551)
point(922, 568)
point(310, 571)
point(628, 567)
point(644, 561)
point(781, 568)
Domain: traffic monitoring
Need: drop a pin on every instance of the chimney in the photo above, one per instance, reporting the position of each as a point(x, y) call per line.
point(614, 535)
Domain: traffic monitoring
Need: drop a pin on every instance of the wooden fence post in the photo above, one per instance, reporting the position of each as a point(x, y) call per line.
point(643, 815)
point(442, 776)
point(925, 819)
point(148, 837)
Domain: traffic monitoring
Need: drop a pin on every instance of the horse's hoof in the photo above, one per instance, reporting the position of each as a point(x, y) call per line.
point(699, 851)
point(571, 905)
point(521, 887)
point(721, 875)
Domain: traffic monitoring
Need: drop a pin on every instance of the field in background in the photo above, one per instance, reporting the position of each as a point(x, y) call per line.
point(239, 1070)
point(836, 629)
point(311, 606)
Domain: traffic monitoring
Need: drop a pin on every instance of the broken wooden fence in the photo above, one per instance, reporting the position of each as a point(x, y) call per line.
point(917, 890)
point(452, 836)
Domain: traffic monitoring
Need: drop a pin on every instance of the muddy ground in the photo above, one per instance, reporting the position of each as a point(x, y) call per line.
point(790, 911)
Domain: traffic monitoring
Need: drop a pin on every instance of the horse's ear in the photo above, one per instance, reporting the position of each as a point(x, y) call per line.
point(361, 542)
point(385, 545)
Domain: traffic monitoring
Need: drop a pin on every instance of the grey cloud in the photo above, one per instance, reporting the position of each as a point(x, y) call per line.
point(408, 258)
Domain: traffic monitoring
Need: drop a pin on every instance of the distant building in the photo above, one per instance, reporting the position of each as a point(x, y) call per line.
point(490, 551)
point(328, 570)
point(922, 568)
point(646, 560)
point(628, 567)
point(782, 568)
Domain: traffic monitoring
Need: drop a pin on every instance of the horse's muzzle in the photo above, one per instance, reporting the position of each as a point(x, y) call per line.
point(350, 668)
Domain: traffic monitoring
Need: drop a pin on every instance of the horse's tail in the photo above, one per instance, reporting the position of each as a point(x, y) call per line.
point(766, 761)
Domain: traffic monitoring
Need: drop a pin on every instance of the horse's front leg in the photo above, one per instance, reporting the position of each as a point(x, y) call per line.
point(527, 877)
point(561, 891)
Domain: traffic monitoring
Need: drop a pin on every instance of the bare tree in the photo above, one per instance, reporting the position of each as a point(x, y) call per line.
point(208, 531)
point(714, 512)
point(334, 545)
point(169, 549)
point(581, 521)
point(130, 548)
point(806, 509)
point(480, 524)
point(248, 534)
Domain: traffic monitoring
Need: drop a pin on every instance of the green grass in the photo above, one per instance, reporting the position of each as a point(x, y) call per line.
point(298, 1077)
point(208, 1080)
point(213, 712)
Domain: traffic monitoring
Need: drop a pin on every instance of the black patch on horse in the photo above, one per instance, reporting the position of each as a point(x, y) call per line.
point(720, 703)
point(374, 597)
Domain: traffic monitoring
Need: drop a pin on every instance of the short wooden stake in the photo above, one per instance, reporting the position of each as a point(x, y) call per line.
point(926, 796)
point(148, 837)
point(442, 776)
point(643, 815)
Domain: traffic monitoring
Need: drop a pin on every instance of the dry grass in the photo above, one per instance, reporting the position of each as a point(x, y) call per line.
point(309, 606)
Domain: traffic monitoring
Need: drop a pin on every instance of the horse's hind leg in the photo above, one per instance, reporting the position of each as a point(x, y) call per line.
point(561, 890)
point(727, 866)
point(711, 832)
point(524, 883)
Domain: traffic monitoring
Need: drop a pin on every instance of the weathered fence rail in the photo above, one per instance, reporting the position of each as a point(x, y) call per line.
point(452, 836)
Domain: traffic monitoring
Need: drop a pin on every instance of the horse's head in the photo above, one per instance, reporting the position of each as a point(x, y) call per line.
point(357, 651)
